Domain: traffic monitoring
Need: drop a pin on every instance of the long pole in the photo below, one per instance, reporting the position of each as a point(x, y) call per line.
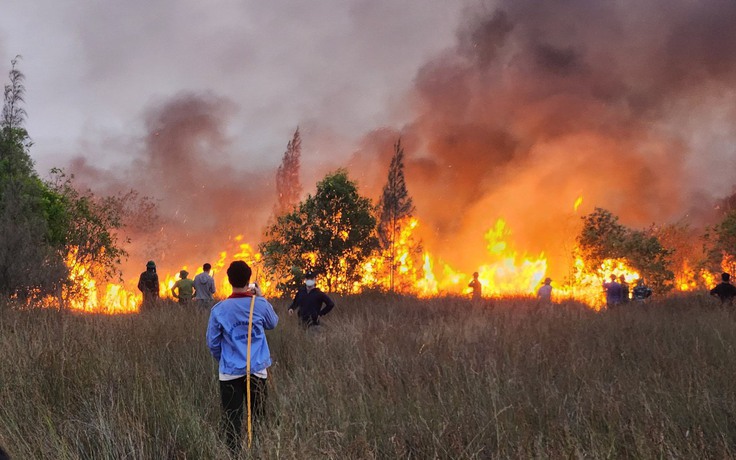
point(247, 372)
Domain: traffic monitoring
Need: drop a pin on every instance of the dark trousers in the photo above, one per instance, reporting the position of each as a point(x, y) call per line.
point(233, 397)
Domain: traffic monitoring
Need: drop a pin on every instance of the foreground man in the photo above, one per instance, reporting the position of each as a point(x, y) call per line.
point(227, 339)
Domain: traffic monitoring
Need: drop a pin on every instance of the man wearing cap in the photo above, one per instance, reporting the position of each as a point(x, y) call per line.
point(148, 285)
point(310, 302)
point(227, 339)
point(183, 288)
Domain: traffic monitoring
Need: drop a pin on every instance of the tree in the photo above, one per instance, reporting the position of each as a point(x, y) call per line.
point(331, 233)
point(602, 237)
point(720, 244)
point(288, 186)
point(28, 263)
point(395, 207)
point(687, 260)
point(46, 228)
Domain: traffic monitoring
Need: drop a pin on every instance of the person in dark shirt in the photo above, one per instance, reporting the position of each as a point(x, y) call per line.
point(613, 293)
point(148, 285)
point(724, 290)
point(641, 291)
point(476, 286)
point(310, 302)
point(624, 289)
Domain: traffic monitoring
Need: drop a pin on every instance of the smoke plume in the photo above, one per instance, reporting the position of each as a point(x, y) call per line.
point(628, 104)
point(541, 102)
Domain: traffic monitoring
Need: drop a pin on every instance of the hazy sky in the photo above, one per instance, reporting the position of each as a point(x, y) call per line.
point(94, 68)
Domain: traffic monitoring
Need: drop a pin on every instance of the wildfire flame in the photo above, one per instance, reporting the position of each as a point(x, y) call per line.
point(406, 268)
point(577, 204)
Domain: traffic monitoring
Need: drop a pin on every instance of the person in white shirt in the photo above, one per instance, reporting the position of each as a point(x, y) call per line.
point(204, 286)
point(544, 293)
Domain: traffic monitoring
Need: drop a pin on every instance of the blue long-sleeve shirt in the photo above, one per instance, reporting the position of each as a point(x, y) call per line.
point(227, 334)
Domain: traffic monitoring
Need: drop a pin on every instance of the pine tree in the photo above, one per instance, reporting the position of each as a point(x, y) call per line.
point(288, 186)
point(14, 141)
point(395, 206)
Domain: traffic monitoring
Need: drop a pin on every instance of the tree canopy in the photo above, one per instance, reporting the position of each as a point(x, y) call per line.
point(603, 237)
point(47, 228)
point(331, 233)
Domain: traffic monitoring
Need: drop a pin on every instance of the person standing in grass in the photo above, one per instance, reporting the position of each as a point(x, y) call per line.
point(148, 285)
point(624, 289)
point(544, 293)
point(613, 293)
point(227, 339)
point(476, 286)
point(724, 290)
point(183, 289)
point(204, 286)
point(310, 302)
point(641, 291)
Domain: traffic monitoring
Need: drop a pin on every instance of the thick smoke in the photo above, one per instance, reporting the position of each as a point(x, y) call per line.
point(541, 102)
point(629, 104)
point(206, 196)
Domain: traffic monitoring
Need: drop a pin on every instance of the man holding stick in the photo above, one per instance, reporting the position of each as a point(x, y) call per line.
point(236, 338)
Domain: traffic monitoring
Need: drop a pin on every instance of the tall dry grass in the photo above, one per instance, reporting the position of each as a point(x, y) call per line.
point(388, 377)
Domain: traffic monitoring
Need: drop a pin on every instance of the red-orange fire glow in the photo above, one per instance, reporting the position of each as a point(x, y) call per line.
point(504, 271)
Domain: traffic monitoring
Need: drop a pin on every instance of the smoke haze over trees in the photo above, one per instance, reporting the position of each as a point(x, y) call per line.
point(627, 104)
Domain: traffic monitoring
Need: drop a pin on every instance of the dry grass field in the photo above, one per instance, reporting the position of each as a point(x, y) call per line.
point(388, 377)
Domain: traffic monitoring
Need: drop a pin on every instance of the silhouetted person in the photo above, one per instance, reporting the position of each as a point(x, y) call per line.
point(544, 293)
point(204, 286)
point(613, 293)
point(724, 290)
point(310, 302)
point(183, 289)
point(148, 285)
point(624, 289)
point(641, 291)
point(477, 287)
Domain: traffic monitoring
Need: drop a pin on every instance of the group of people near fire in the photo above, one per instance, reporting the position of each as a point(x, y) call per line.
point(243, 364)
point(617, 290)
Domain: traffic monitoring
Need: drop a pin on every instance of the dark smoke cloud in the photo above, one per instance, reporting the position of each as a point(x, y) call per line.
point(541, 102)
point(187, 165)
point(629, 104)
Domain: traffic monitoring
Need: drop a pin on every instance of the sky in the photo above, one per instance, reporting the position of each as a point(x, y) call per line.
point(506, 108)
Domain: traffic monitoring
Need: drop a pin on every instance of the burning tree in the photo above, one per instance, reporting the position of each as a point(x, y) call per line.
point(331, 233)
point(47, 229)
point(28, 266)
point(396, 208)
point(720, 244)
point(603, 239)
point(288, 186)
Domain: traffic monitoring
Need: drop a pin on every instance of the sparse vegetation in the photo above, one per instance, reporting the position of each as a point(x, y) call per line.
point(390, 377)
